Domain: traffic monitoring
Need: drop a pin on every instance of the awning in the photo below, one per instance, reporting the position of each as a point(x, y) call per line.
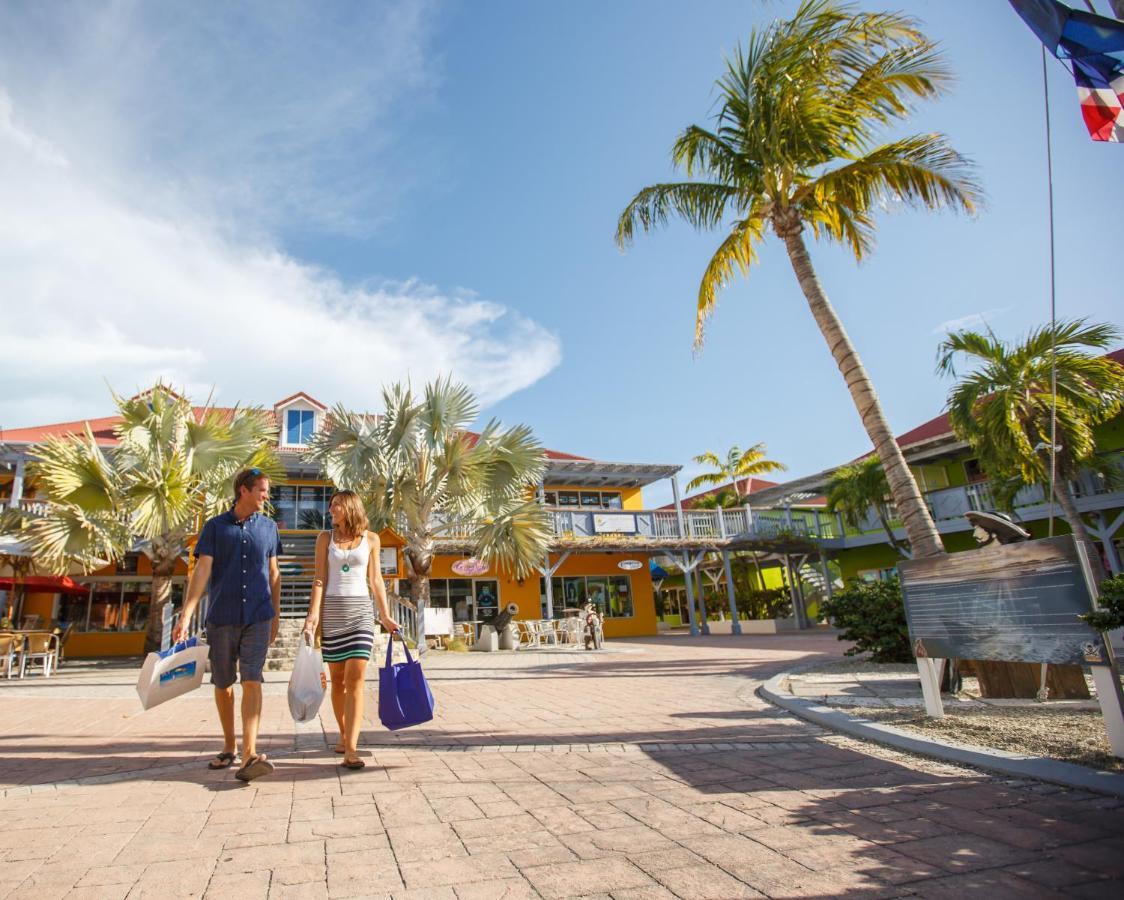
point(46, 584)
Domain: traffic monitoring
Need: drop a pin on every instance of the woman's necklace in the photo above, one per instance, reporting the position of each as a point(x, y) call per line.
point(346, 567)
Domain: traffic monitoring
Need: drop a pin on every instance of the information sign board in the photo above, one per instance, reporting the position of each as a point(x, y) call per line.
point(1016, 603)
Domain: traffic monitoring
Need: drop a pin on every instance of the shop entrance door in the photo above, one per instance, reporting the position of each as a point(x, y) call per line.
point(487, 593)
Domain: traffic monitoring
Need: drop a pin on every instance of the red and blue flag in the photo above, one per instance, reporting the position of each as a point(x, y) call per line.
point(1092, 47)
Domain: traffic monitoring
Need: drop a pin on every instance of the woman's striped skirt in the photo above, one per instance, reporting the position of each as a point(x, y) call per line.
point(348, 628)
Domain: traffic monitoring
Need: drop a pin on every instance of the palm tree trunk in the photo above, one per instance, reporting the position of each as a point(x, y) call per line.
point(919, 526)
point(420, 562)
point(1069, 509)
point(164, 557)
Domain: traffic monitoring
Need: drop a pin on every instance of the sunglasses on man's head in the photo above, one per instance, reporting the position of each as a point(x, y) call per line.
point(254, 471)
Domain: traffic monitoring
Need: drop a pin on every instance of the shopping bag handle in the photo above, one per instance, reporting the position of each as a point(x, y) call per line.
point(390, 647)
point(176, 648)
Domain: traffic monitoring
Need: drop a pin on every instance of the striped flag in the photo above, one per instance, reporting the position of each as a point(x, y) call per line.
point(1093, 48)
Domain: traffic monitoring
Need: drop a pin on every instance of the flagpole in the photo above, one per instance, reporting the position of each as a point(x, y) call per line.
point(1053, 301)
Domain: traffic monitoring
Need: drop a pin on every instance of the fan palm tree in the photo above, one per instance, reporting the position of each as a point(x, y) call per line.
point(1004, 407)
point(421, 472)
point(794, 148)
point(171, 467)
point(855, 489)
point(738, 464)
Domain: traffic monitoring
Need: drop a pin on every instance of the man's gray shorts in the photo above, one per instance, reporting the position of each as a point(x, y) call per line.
point(241, 646)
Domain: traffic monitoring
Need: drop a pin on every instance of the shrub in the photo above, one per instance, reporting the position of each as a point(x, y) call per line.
point(771, 603)
point(456, 645)
point(1110, 612)
point(873, 616)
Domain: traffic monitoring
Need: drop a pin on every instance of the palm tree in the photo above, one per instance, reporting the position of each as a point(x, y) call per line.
point(171, 467)
point(737, 464)
point(794, 147)
point(853, 490)
point(1004, 407)
point(422, 473)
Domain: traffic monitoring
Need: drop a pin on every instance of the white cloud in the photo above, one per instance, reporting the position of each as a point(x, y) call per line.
point(116, 264)
point(973, 320)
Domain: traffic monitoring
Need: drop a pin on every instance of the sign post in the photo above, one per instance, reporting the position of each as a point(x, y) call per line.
point(1011, 603)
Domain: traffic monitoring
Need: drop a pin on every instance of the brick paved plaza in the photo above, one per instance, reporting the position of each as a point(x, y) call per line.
point(648, 771)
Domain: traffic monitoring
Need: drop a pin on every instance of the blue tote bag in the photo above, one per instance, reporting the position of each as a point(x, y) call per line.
point(404, 697)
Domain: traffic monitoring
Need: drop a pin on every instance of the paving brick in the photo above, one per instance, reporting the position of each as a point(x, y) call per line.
point(702, 882)
point(585, 876)
point(457, 871)
point(244, 886)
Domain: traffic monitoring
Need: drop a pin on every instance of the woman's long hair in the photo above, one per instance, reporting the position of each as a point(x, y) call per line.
point(353, 521)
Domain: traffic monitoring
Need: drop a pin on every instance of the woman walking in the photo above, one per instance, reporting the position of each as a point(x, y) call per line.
point(347, 574)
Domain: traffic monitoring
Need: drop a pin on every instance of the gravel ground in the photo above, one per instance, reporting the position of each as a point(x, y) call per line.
point(1065, 733)
point(1076, 736)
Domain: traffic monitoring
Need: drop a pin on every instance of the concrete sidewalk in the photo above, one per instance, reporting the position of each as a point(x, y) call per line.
point(645, 772)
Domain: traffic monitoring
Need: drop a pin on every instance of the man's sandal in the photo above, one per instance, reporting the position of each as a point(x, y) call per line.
point(223, 761)
point(254, 767)
point(353, 763)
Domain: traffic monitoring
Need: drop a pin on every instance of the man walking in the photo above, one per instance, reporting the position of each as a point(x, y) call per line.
point(236, 565)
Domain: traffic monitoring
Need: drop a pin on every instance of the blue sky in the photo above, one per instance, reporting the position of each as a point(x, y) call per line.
point(263, 198)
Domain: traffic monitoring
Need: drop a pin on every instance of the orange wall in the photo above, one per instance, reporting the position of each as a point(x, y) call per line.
point(526, 595)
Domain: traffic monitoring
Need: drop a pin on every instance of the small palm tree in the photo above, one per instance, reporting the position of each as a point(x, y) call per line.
point(1004, 407)
point(855, 489)
point(421, 472)
point(794, 148)
point(738, 464)
point(171, 467)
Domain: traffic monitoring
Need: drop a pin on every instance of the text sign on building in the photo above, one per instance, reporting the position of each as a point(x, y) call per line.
point(1014, 603)
point(614, 523)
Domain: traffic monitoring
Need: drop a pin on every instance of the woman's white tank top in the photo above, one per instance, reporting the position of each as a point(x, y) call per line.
point(347, 569)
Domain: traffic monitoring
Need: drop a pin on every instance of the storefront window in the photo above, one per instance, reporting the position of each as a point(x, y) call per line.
point(284, 501)
point(114, 606)
point(312, 508)
point(584, 499)
point(612, 595)
point(73, 608)
point(105, 608)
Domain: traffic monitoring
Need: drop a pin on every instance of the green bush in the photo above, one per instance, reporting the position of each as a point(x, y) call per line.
point(1110, 614)
point(873, 616)
point(771, 603)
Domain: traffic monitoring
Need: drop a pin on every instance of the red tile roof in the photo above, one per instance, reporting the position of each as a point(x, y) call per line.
point(940, 427)
point(105, 437)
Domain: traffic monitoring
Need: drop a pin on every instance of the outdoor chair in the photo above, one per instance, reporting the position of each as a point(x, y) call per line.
point(64, 637)
point(465, 632)
point(43, 648)
point(527, 635)
point(544, 630)
point(11, 652)
point(31, 621)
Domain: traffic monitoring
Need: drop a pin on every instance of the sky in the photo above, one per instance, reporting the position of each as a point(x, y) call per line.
point(251, 199)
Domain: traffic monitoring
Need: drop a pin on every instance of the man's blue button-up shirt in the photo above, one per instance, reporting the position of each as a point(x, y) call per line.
point(240, 551)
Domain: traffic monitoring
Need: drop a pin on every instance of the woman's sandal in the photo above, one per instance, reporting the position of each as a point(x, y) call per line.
point(223, 761)
point(254, 767)
point(353, 763)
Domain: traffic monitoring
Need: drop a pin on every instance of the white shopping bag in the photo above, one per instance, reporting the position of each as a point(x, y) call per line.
point(172, 672)
point(306, 684)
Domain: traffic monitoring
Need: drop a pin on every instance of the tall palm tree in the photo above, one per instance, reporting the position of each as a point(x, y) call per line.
point(171, 467)
point(1004, 406)
point(421, 472)
point(738, 464)
point(855, 489)
point(794, 147)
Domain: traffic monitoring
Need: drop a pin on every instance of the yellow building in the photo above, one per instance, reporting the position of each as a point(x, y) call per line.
point(604, 539)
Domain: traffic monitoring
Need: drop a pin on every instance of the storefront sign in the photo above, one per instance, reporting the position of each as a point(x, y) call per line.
point(630, 565)
point(614, 523)
point(470, 566)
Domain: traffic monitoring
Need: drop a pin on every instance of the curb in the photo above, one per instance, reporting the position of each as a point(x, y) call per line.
point(1054, 771)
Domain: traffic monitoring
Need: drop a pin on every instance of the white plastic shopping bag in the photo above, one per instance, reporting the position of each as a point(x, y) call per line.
point(172, 672)
point(306, 684)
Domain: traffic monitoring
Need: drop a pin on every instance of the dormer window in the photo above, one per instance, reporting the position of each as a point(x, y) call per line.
point(299, 425)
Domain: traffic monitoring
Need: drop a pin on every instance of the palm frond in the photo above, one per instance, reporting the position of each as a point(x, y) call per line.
point(737, 252)
point(701, 204)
